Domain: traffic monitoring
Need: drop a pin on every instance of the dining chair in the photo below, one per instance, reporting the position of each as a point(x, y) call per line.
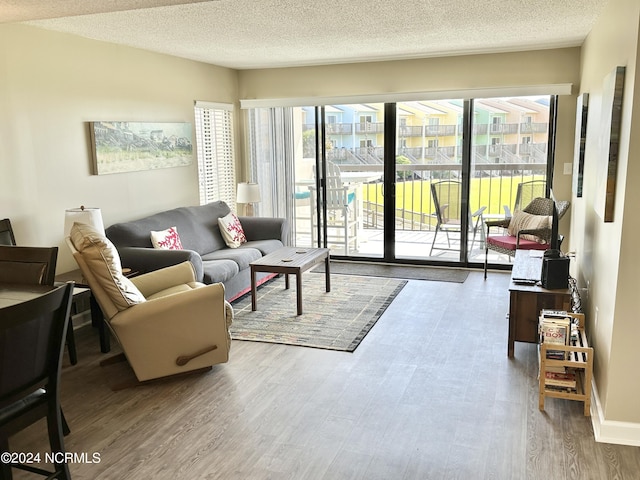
point(28, 264)
point(33, 265)
point(6, 232)
point(32, 336)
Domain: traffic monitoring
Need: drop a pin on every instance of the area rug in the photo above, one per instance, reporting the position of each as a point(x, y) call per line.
point(336, 320)
point(411, 272)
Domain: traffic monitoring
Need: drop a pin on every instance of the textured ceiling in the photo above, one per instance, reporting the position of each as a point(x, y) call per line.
point(277, 33)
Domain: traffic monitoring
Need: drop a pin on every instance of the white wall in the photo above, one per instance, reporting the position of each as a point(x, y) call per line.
point(433, 74)
point(51, 85)
point(607, 252)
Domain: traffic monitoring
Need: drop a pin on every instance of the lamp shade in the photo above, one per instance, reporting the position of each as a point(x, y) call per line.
point(248, 193)
point(88, 215)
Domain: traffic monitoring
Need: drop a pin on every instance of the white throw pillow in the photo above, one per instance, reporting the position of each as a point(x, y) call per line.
point(166, 239)
point(526, 221)
point(232, 230)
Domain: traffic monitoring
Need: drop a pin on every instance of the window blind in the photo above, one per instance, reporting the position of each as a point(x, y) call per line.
point(488, 92)
point(215, 152)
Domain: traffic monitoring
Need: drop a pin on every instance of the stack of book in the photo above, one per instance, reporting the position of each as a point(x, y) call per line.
point(560, 381)
point(556, 327)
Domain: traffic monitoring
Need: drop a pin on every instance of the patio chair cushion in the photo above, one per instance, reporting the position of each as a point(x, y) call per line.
point(526, 221)
point(508, 243)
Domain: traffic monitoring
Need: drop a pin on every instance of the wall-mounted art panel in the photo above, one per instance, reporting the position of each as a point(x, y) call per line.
point(611, 118)
point(582, 111)
point(119, 147)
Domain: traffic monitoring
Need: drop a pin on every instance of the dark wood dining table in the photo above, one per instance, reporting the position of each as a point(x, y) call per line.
point(14, 293)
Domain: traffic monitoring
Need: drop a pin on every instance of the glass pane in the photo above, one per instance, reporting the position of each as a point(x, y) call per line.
point(304, 173)
point(355, 153)
point(428, 153)
point(509, 149)
point(359, 155)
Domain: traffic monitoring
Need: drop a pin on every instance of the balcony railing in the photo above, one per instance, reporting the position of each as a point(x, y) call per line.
point(482, 154)
point(431, 130)
point(492, 186)
point(428, 130)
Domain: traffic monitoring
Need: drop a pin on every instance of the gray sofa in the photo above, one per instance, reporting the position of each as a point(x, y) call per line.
point(203, 245)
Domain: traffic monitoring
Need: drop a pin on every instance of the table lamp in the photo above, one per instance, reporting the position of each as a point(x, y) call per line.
point(90, 216)
point(248, 193)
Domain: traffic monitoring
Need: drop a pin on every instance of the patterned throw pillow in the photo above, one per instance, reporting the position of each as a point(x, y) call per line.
point(166, 239)
point(526, 221)
point(232, 230)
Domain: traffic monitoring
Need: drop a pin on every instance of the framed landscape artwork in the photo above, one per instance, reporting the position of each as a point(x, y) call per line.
point(610, 128)
point(120, 146)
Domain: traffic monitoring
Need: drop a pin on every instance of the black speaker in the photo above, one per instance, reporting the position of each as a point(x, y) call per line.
point(555, 270)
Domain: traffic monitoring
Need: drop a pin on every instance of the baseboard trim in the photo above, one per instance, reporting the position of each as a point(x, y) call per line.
point(611, 431)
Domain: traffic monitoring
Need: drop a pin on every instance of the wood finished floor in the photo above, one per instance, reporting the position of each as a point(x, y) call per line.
point(429, 394)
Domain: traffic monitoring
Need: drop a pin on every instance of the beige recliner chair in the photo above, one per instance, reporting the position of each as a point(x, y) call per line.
point(165, 321)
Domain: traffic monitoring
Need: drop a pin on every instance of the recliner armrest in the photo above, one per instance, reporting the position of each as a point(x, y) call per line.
point(144, 260)
point(165, 278)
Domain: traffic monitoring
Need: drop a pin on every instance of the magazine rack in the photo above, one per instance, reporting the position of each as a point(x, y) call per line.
point(580, 358)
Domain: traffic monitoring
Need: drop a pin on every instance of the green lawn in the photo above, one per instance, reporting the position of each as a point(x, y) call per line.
point(415, 196)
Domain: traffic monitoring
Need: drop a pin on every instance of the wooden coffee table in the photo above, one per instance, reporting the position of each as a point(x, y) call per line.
point(290, 260)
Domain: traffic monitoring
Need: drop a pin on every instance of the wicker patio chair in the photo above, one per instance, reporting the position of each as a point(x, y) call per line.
point(522, 236)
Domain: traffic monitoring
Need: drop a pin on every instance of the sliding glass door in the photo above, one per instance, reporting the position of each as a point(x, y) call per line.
point(429, 176)
point(338, 178)
point(411, 182)
point(510, 148)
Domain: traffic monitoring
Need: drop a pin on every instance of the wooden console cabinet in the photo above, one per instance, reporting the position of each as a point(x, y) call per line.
point(527, 300)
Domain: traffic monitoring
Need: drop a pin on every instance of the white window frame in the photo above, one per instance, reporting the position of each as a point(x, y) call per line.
point(215, 148)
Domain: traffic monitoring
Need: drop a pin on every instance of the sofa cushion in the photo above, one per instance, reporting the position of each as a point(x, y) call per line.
point(206, 219)
point(198, 227)
point(166, 239)
point(264, 246)
point(103, 261)
point(219, 270)
point(231, 230)
point(241, 256)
